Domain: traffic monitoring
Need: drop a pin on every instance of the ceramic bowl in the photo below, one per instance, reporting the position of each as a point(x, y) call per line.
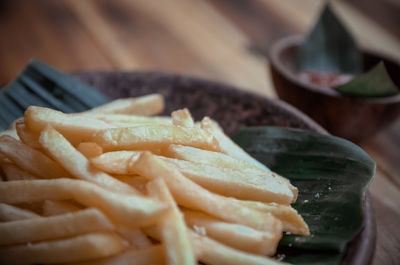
point(353, 118)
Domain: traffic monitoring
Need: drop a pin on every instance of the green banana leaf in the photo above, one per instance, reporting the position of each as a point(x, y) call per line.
point(375, 83)
point(329, 47)
point(331, 174)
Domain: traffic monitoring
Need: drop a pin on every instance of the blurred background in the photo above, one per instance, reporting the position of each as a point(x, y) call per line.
point(223, 40)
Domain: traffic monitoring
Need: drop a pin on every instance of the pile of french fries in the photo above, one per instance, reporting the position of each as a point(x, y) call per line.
point(118, 185)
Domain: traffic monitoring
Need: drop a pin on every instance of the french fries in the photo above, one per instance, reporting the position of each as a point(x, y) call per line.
point(76, 163)
point(226, 145)
point(79, 248)
point(115, 186)
point(54, 227)
point(240, 236)
point(182, 118)
point(30, 159)
point(145, 106)
point(153, 137)
point(75, 128)
point(186, 193)
point(174, 234)
point(12, 213)
point(153, 255)
point(129, 209)
point(51, 207)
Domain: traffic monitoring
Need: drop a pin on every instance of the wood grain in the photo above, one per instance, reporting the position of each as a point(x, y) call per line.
point(224, 40)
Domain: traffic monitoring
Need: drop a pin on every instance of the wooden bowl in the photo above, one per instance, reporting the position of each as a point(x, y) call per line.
point(233, 109)
point(354, 118)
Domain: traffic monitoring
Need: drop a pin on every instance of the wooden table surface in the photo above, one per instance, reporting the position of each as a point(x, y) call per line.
point(224, 40)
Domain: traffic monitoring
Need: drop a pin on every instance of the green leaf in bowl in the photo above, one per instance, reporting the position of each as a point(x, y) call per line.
point(329, 47)
point(375, 83)
point(331, 174)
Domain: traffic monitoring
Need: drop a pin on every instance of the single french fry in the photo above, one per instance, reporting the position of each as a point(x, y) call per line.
point(11, 133)
point(149, 137)
point(51, 207)
point(30, 159)
point(211, 252)
point(11, 213)
point(182, 118)
point(226, 145)
point(128, 209)
point(125, 120)
point(189, 194)
point(75, 128)
point(89, 149)
point(14, 123)
point(152, 255)
point(76, 163)
point(174, 233)
point(117, 162)
point(268, 187)
point(217, 159)
point(234, 235)
point(136, 181)
point(292, 221)
point(147, 105)
point(135, 237)
point(13, 172)
point(79, 248)
point(27, 137)
point(54, 227)
point(230, 148)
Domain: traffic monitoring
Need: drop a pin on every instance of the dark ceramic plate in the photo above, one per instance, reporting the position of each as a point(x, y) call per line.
point(233, 109)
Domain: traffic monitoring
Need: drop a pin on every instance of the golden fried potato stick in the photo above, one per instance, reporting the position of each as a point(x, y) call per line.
point(11, 133)
point(30, 159)
point(210, 251)
point(13, 172)
point(149, 137)
point(76, 128)
point(147, 105)
point(133, 236)
point(234, 235)
point(11, 213)
point(76, 163)
point(54, 227)
point(182, 118)
point(189, 194)
point(268, 187)
point(117, 162)
point(125, 119)
point(226, 145)
point(27, 137)
point(51, 207)
point(136, 181)
point(230, 148)
point(89, 149)
point(217, 159)
point(291, 220)
point(152, 255)
point(127, 209)
point(14, 123)
point(79, 248)
point(174, 234)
